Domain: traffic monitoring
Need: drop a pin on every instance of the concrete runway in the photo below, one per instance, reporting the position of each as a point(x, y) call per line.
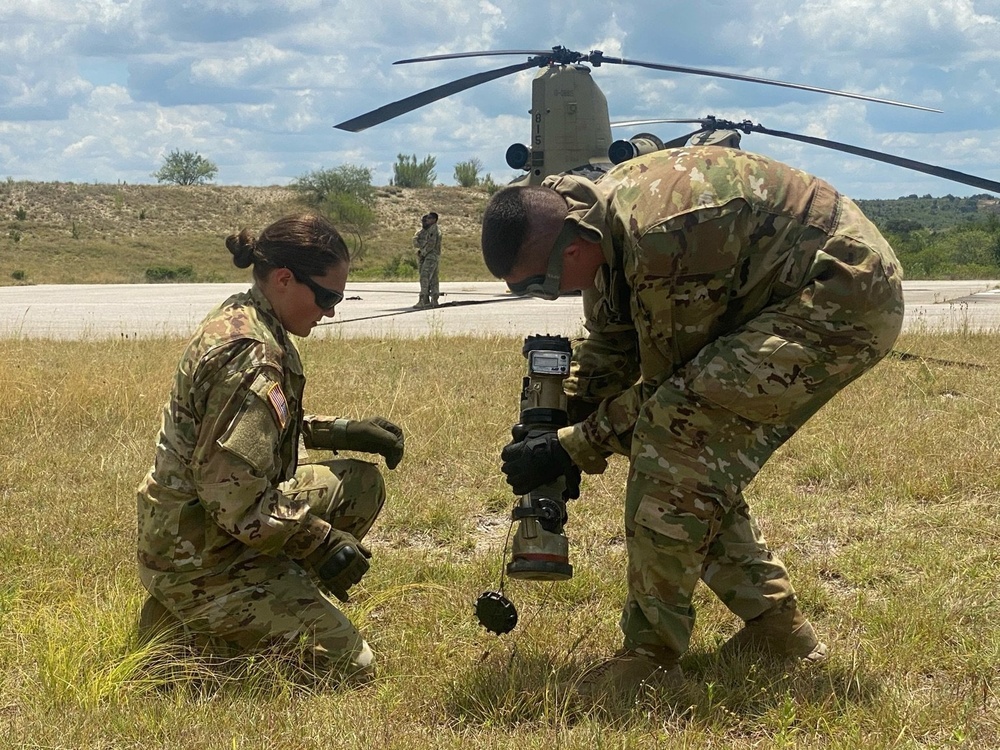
point(382, 309)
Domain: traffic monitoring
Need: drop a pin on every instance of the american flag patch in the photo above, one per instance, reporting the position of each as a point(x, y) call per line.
point(277, 400)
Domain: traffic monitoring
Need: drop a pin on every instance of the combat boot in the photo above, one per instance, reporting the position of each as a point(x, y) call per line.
point(422, 303)
point(626, 673)
point(782, 632)
point(434, 301)
point(156, 621)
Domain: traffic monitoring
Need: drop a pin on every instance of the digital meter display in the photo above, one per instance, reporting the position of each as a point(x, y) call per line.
point(549, 363)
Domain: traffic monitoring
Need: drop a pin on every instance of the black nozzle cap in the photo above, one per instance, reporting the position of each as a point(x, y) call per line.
point(496, 612)
point(548, 342)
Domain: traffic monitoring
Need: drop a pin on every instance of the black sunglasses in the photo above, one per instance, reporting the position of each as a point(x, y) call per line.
point(326, 299)
point(521, 287)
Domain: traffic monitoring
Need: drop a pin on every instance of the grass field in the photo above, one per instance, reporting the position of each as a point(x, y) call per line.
point(884, 507)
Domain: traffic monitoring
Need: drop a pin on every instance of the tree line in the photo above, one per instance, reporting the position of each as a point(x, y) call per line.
point(935, 238)
point(191, 168)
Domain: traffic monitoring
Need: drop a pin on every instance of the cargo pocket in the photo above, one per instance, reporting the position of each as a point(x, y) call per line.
point(676, 525)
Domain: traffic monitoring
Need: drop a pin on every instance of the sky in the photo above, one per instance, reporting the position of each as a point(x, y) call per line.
point(100, 91)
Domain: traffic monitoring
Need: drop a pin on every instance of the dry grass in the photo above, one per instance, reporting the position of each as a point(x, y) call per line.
point(884, 507)
point(65, 233)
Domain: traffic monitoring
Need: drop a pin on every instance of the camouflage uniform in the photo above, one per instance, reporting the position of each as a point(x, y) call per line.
point(226, 514)
point(428, 244)
point(739, 296)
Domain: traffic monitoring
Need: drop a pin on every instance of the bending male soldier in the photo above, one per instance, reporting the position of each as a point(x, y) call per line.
point(427, 240)
point(727, 298)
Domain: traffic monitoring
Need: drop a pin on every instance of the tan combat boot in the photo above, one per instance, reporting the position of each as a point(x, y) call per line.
point(627, 672)
point(781, 632)
point(155, 621)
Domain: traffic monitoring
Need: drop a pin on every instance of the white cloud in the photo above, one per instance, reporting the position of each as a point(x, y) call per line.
point(101, 89)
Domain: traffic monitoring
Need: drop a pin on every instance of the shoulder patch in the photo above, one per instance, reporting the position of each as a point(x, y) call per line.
point(269, 390)
point(276, 397)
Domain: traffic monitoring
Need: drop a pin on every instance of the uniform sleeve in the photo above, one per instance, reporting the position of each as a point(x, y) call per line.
point(418, 239)
point(324, 433)
point(236, 467)
point(604, 370)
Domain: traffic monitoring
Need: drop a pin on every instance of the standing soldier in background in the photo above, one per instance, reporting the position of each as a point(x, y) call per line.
point(427, 241)
point(727, 298)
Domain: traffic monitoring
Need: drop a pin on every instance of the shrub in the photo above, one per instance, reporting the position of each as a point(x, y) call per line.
point(168, 273)
point(347, 179)
point(489, 185)
point(467, 172)
point(408, 172)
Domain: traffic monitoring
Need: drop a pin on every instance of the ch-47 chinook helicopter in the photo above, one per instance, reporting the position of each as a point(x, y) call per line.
point(571, 128)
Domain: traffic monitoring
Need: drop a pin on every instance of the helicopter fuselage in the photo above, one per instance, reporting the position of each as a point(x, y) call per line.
point(570, 125)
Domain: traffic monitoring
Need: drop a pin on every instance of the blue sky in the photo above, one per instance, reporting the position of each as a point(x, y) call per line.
point(101, 90)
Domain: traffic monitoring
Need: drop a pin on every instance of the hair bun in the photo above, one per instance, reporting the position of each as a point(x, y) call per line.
point(242, 247)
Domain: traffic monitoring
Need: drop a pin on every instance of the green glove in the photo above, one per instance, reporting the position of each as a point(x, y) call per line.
point(339, 562)
point(376, 435)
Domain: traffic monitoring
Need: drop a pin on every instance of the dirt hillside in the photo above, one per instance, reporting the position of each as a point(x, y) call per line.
point(128, 209)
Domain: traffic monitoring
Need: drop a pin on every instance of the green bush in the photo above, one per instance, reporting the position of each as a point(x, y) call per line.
point(167, 273)
point(467, 172)
point(489, 185)
point(400, 267)
point(347, 179)
point(409, 173)
point(348, 212)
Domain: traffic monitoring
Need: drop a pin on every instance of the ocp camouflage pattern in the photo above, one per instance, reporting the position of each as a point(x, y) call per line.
point(427, 241)
point(225, 513)
point(753, 284)
point(224, 448)
point(739, 296)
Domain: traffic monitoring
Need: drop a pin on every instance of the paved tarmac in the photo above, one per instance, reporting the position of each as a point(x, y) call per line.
point(383, 309)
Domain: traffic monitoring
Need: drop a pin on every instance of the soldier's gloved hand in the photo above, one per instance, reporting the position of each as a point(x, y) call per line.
point(339, 562)
point(578, 410)
point(535, 461)
point(376, 435)
point(572, 491)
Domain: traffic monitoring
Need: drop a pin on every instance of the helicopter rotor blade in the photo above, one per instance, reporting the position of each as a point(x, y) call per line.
point(899, 161)
point(746, 126)
point(632, 123)
point(481, 53)
point(409, 103)
point(597, 58)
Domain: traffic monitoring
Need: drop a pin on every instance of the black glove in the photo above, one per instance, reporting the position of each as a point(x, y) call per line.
point(376, 435)
point(339, 562)
point(578, 410)
point(535, 461)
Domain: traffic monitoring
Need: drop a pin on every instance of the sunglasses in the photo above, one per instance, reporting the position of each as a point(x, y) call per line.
point(546, 285)
point(326, 299)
